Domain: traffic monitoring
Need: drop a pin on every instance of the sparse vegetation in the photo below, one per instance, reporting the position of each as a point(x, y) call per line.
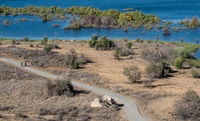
point(37, 58)
point(122, 52)
point(193, 63)
point(187, 108)
point(26, 87)
point(102, 72)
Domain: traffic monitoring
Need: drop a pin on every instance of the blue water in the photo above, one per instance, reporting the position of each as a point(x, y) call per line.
point(173, 10)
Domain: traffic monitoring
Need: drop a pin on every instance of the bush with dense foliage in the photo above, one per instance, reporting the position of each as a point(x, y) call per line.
point(129, 45)
point(103, 44)
point(48, 48)
point(188, 108)
point(178, 63)
point(133, 74)
point(93, 41)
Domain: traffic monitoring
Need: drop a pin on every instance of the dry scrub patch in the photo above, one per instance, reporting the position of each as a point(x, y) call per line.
point(156, 103)
point(24, 96)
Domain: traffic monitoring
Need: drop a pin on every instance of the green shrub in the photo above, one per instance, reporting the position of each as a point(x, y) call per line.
point(95, 37)
point(26, 39)
point(44, 41)
point(137, 39)
point(92, 43)
point(48, 48)
point(195, 73)
point(178, 63)
point(104, 44)
point(129, 44)
point(133, 73)
point(73, 60)
point(117, 53)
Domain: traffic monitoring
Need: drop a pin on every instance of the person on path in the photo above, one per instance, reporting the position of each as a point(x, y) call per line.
point(22, 64)
point(25, 64)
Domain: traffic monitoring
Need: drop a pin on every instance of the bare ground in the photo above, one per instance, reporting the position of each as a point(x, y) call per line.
point(157, 102)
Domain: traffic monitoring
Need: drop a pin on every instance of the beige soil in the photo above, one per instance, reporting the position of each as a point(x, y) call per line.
point(156, 103)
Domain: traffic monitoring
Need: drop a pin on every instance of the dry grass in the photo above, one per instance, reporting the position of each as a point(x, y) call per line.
point(40, 58)
point(27, 98)
point(156, 102)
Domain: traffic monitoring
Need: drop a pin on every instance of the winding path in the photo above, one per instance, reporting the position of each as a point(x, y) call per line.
point(131, 108)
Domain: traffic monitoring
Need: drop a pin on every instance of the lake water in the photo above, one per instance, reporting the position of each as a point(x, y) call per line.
point(173, 10)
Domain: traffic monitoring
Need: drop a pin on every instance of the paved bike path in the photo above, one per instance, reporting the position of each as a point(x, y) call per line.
point(131, 109)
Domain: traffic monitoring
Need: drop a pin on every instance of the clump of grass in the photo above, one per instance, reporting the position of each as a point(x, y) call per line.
point(195, 73)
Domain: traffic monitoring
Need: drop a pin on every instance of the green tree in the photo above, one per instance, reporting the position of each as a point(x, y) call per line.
point(129, 44)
